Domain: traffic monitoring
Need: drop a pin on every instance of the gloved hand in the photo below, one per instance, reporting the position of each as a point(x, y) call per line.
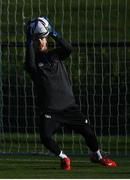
point(51, 28)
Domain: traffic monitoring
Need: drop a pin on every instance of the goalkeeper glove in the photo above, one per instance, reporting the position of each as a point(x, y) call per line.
point(51, 29)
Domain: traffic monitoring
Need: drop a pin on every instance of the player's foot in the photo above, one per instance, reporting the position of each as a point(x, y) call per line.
point(65, 163)
point(104, 161)
point(107, 162)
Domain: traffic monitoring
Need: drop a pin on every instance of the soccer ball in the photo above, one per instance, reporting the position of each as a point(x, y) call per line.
point(39, 26)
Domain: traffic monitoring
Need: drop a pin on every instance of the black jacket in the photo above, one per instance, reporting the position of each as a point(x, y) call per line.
point(50, 77)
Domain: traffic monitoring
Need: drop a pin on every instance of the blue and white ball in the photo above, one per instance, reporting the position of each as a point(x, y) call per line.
point(39, 26)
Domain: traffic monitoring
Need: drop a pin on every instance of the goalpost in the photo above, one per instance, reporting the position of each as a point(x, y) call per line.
point(99, 69)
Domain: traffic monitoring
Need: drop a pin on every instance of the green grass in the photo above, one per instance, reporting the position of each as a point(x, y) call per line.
point(48, 167)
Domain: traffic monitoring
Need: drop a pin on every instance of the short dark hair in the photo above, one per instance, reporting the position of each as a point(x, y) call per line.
point(39, 36)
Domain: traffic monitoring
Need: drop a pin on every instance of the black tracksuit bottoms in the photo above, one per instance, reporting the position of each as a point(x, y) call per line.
point(51, 122)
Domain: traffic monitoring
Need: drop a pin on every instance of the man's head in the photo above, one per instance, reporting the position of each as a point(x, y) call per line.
point(38, 30)
point(40, 43)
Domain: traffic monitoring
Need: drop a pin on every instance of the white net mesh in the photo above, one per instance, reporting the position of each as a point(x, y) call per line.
point(99, 70)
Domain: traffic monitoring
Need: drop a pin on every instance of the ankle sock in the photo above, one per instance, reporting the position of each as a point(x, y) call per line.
point(98, 153)
point(62, 155)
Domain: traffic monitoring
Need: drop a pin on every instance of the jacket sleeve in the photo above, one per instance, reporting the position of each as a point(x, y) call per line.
point(29, 64)
point(64, 49)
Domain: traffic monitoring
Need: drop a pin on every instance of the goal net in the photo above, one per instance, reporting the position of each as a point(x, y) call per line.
point(99, 68)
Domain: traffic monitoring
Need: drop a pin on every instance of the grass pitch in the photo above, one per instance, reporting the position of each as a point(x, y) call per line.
point(48, 167)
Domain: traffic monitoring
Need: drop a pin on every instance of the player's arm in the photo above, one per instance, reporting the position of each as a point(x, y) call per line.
point(64, 48)
point(30, 59)
point(29, 63)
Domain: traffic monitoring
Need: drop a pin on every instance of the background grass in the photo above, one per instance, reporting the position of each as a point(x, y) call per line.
point(99, 20)
point(72, 144)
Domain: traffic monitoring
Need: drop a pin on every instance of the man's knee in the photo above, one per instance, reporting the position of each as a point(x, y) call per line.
point(45, 138)
point(88, 130)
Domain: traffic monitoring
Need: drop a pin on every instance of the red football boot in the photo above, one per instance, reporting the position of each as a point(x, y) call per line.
point(107, 162)
point(65, 163)
point(104, 161)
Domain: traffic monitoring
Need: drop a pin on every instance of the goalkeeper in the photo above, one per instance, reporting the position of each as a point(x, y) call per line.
point(54, 92)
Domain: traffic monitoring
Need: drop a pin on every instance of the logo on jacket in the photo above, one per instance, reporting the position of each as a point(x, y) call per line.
point(47, 116)
point(86, 121)
point(40, 64)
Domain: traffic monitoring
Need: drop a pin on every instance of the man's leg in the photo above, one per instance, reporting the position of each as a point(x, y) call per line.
point(91, 141)
point(48, 126)
point(90, 138)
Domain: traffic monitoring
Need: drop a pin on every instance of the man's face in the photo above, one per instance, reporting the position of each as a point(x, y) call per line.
point(40, 44)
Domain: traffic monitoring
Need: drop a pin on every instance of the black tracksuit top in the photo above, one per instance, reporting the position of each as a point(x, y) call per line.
point(51, 81)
